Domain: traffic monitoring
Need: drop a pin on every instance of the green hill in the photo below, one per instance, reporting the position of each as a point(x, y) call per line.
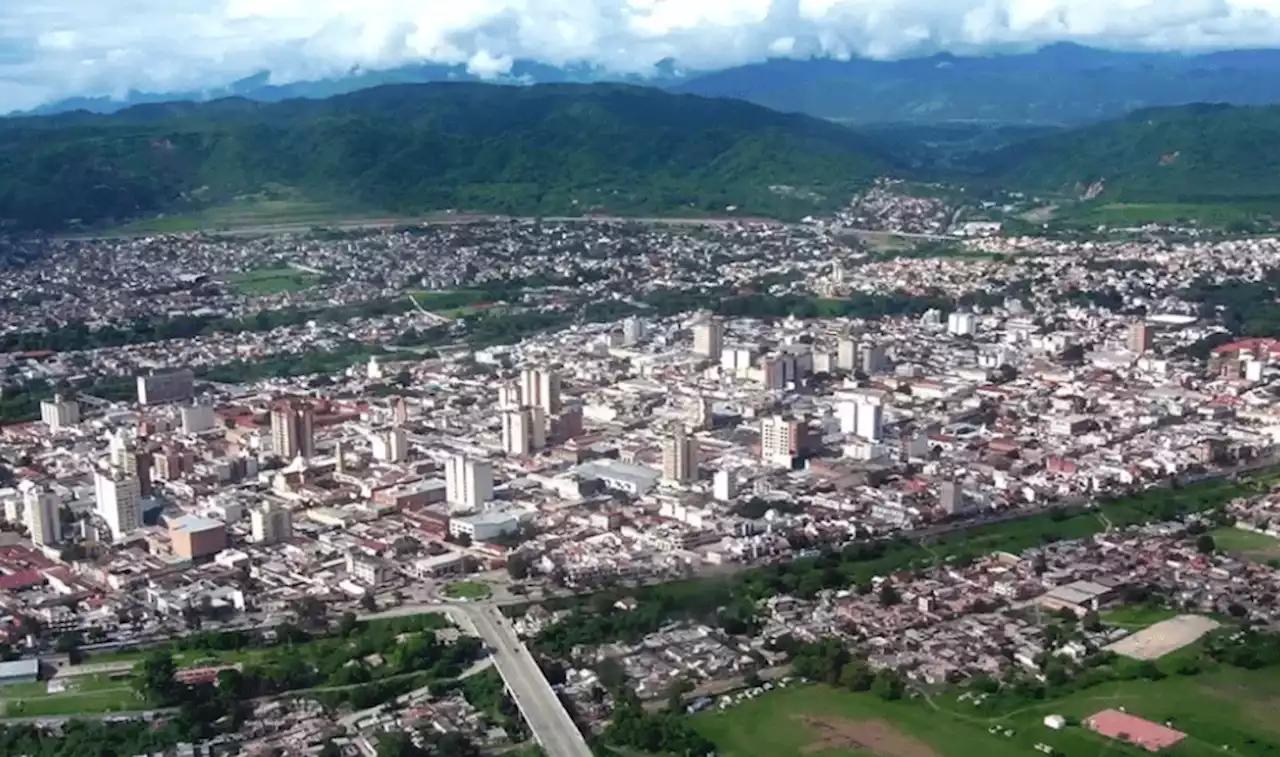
point(413, 148)
point(1197, 154)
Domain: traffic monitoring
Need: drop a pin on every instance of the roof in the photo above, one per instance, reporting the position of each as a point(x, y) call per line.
point(29, 666)
point(193, 524)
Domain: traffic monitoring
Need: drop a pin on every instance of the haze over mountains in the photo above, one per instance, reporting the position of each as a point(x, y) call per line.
point(1061, 84)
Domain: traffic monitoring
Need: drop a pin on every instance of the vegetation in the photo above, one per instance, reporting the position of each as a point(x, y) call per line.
point(556, 149)
point(467, 590)
point(271, 281)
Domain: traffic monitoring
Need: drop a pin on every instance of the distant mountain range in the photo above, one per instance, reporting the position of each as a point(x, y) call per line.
point(1058, 85)
point(547, 149)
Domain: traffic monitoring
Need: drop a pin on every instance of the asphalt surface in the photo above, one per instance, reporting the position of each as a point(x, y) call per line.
point(547, 717)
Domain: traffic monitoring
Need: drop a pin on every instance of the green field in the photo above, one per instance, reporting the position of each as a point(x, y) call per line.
point(467, 590)
point(246, 213)
point(271, 281)
point(1136, 617)
point(1137, 214)
point(1226, 707)
point(1247, 545)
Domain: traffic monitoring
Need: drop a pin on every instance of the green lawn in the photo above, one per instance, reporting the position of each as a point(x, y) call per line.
point(1225, 707)
point(271, 281)
point(119, 699)
point(1137, 214)
point(1247, 545)
point(467, 590)
point(1136, 617)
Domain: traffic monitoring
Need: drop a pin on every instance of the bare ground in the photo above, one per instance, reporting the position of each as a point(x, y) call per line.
point(875, 736)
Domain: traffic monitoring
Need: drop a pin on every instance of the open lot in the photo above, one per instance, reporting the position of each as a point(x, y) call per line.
point(1247, 545)
point(1167, 636)
point(1136, 617)
point(1223, 711)
point(271, 281)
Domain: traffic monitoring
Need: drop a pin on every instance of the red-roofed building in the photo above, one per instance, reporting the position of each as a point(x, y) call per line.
point(1134, 730)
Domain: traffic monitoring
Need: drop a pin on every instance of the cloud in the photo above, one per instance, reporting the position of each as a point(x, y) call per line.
point(52, 49)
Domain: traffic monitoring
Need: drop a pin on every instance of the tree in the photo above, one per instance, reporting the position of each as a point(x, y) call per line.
point(347, 624)
point(888, 685)
point(857, 676)
point(889, 595)
point(368, 603)
point(1205, 544)
point(69, 644)
point(154, 679)
point(518, 566)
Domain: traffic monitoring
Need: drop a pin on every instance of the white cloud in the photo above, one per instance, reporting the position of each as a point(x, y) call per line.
point(51, 49)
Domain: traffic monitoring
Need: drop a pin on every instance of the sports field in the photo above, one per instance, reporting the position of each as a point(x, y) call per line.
point(271, 281)
point(1222, 708)
point(1247, 545)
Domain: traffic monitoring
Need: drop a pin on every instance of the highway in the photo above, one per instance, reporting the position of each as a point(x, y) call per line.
point(547, 717)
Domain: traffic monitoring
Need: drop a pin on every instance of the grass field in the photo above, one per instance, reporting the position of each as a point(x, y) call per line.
point(467, 590)
point(1247, 545)
point(1137, 214)
point(1136, 617)
point(246, 213)
point(1221, 708)
point(271, 281)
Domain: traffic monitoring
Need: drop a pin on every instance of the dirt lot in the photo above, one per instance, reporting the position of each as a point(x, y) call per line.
point(875, 736)
point(1163, 638)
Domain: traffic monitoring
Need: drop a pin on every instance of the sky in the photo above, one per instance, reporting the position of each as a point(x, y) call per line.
point(53, 49)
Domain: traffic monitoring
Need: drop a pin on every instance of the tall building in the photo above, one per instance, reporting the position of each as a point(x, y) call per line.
point(508, 396)
point(874, 359)
point(270, 523)
point(468, 483)
point(680, 457)
point(162, 388)
point(540, 388)
point(704, 413)
point(632, 331)
point(118, 498)
point(193, 537)
point(708, 337)
point(724, 486)
point(400, 411)
point(847, 355)
point(962, 324)
point(293, 429)
point(58, 413)
point(1139, 337)
point(951, 498)
point(524, 430)
point(197, 418)
point(391, 445)
point(870, 419)
point(43, 515)
point(782, 440)
point(133, 462)
point(847, 413)
point(567, 424)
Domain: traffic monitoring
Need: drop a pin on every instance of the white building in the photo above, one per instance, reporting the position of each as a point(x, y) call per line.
point(161, 388)
point(724, 486)
point(540, 388)
point(486, 525)
point(118, 498)
point(58, 413)
point(197, 418)
point(632, 331)
point(391, 446)
point(468, 483)
point(43, 515)
point(680, 457)
point(708, 337)
point(524, 430)
point(270, 523)
point(962, 324)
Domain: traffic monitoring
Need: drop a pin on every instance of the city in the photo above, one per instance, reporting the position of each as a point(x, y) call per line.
point(963, 461)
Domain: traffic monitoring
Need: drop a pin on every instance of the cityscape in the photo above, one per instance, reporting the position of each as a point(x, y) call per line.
point(970, 467)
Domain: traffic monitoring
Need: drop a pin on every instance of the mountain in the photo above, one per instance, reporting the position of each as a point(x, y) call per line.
point(260, 87)
point(412, 148)
point(1057, 85)
point(1192, 154)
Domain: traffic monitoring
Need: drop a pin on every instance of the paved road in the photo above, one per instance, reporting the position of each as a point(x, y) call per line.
point(547, 717)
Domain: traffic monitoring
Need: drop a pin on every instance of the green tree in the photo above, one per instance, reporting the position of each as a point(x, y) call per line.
point(857, 676)
point(154, 679)
point(1205, 544)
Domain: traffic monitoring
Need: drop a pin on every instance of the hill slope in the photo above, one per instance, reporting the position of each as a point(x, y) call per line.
point(412, 148)
point(1058, 85)
point(1192, 154)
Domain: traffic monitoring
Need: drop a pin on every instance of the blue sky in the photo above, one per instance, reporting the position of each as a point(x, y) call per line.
point(52, 49)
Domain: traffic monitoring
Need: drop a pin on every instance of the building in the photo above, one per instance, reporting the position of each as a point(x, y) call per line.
point(724, 486)
point(400, 411)
point(567, 424)
point(485, 525)
point(962, 324)
point(197, 418)
point(951, 498)
point(508, 396)
point(367, 570)
point(1139, 337)
point(118, 501)
point(870, 419)
point(540, 388)
point(524, 430)
point(126, 457)
point(270, 523)
point(782, 440)
point(708, 337)
point(293, 429)
point(164, 388)
point(193, 537)
point(26, 670)
point(847, 355)
point(632, 331)
point(43, 514)
point(874, 359)
point(468, 483)
point(680, 457)
point(59, 413)
point(391, 445)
